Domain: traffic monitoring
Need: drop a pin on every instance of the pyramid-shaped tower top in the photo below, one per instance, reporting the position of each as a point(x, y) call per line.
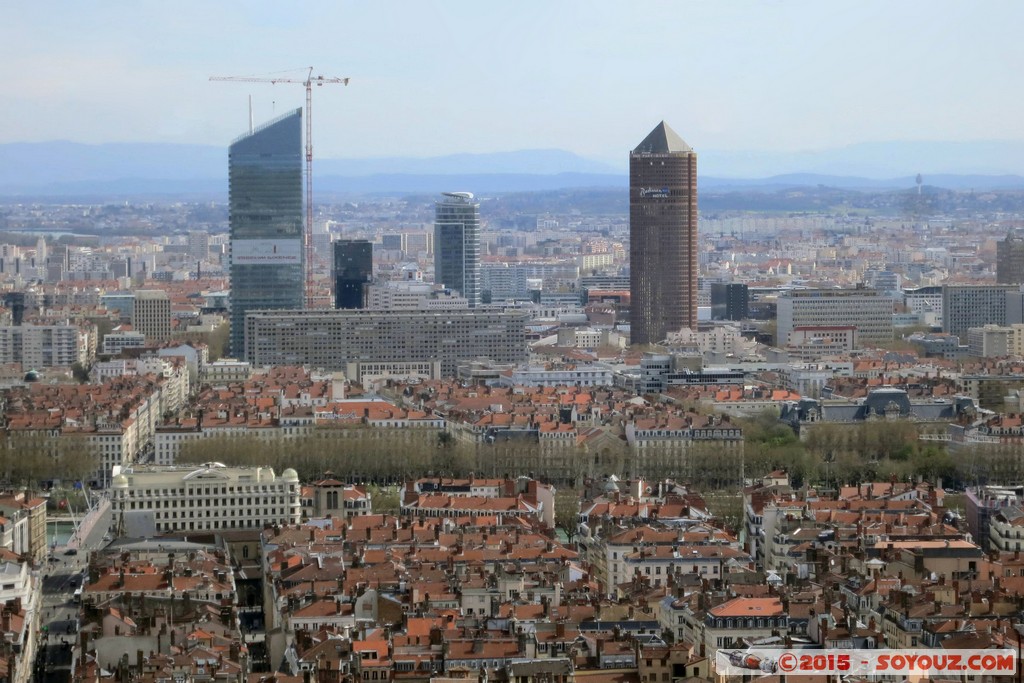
point(662, 140)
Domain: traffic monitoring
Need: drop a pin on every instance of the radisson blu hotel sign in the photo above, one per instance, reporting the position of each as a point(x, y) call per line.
point(267, 252)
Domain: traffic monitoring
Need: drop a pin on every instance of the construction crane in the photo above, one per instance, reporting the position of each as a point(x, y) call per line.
point(308, 82)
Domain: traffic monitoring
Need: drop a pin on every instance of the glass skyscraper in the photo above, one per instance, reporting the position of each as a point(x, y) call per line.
point(457, 245)
point(265, 215)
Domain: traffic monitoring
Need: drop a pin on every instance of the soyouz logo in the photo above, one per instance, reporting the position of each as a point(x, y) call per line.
point(932, 662)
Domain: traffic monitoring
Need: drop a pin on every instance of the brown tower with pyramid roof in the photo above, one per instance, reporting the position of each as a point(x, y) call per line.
point(662, 236)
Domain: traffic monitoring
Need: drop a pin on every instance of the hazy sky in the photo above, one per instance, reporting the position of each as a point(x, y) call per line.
point(592, 76)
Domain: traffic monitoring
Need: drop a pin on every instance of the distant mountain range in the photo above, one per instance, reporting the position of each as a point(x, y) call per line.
point(875, 160)
point(71, 170)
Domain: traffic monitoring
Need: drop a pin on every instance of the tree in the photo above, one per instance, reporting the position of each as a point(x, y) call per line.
point(728, 507)
point(218, 340)
point(567, 512)
point(80, 373)
point(385, 500)
point(30, 457)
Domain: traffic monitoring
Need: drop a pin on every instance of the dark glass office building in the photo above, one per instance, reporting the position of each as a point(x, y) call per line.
point(1010, 260)
point(265, 216)
point(662, 236)
point(729, 301)
point(353, 269)
point(457, 245)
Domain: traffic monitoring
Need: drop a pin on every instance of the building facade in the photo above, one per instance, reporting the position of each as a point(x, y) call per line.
point(502, 281)
point(265, 217)
point(729, 301)
point(457, 244)
point(332, 339)
point(865, 309)
point(812, 343)
point(207, 497)
point(198, 245)
point(116, 342)
point(45, 346)
point(994, 341)
point(412, 296)
point(967, 306)
point(662, 236)
point(983, 503)
point(1010, 260)
point(151, 314)
point(353, 269)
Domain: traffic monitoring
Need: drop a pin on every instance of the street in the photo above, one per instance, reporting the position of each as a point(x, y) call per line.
point(58, 630)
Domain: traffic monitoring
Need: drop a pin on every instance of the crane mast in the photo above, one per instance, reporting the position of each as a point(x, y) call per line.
point(308, 84)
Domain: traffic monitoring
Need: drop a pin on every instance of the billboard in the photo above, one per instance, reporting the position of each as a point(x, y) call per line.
point(286, 252)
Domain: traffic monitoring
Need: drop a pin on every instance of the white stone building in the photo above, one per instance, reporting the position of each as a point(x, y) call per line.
point(207, 497)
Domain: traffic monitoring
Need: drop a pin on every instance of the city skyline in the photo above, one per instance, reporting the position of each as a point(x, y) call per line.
point(817, 76)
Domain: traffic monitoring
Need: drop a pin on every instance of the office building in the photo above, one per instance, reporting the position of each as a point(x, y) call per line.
point(205, 497)
point(660, 371)
point(265, 217)
point(151, 314)
point(412, 296)
point(1010, 260)
point(923, 299)
point(198, 245)
point(121, 303)
point(813, 343)
point(457, 245)
point(887, 282)
point(662, 236)
point(967, 306)
point(417, 243)
point(117, 341)
point(1014, 307)
point(995, 341)
point(332, 339)
point(502, 281)
point(865, 309)
point(729, 301)
point(353, 269)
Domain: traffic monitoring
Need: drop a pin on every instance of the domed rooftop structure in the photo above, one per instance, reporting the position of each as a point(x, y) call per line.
point(32, 376)
point(290, 475)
